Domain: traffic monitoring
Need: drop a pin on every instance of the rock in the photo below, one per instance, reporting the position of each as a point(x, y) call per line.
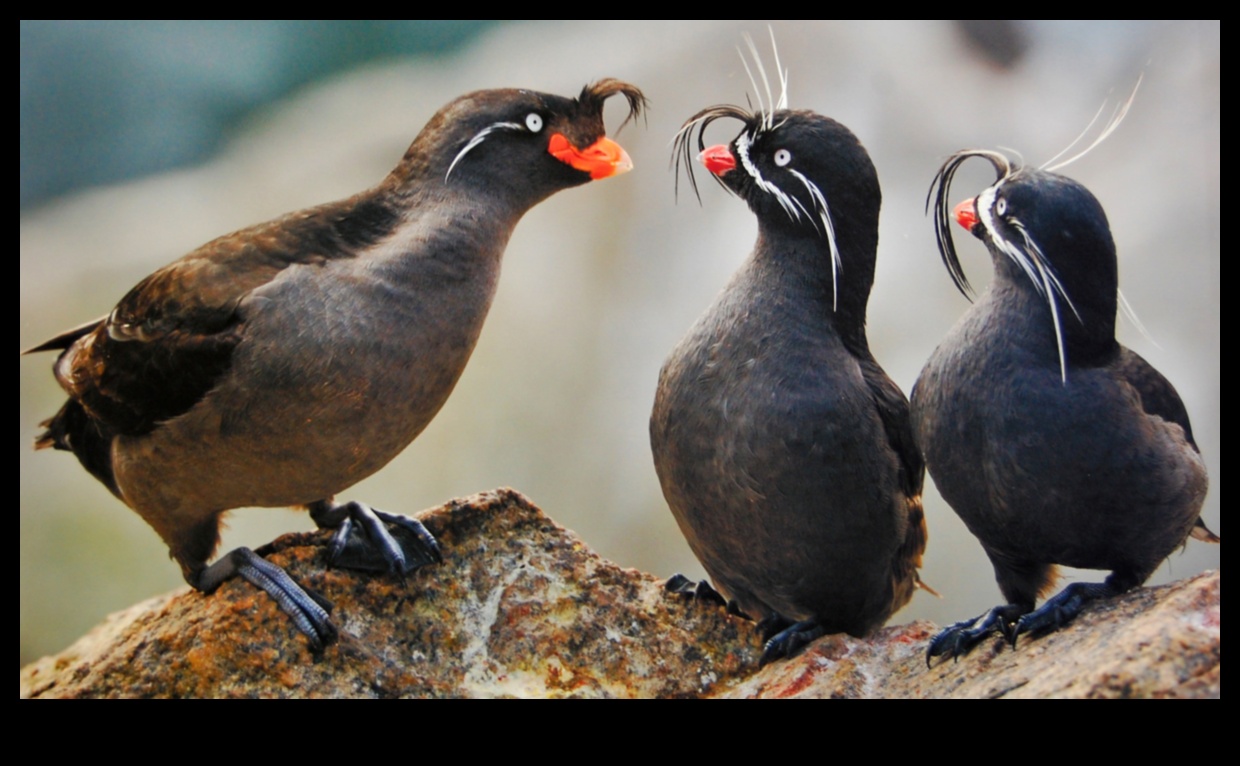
point(1150, 642)
point(521, 607)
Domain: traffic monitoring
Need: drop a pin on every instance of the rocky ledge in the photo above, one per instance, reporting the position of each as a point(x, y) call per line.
point(521, 607)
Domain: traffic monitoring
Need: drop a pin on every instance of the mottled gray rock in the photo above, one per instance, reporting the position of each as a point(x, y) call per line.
point(1150, 642)
point(521, 607)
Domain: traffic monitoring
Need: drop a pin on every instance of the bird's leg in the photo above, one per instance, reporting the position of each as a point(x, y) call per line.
point(959, 639)
point(698, 591)
point(1064, 606)
point(374, 541)
point(1020, 581)
point(789, 640)
point(308, 610)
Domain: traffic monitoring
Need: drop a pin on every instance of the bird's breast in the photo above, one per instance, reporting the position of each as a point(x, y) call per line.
point(340, 368)
point(1056, 470)
point(773, 458)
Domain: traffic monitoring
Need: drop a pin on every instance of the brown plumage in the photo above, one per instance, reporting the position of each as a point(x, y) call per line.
point(283, 363)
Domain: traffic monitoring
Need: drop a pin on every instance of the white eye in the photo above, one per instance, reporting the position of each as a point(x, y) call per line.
point(782, 157)
point(1001, 207)
point(533, 121)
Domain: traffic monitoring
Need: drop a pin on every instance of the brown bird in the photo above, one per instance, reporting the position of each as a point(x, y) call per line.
point(783, 449)
point(1054, 443)
point(280, 364)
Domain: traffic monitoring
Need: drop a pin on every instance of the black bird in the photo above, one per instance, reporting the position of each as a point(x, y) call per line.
point(784, 450)
point(1054, 443)
point(283, 363)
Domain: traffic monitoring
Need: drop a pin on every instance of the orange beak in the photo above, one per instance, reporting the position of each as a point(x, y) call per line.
point(718, 159)
point(966, 213)
point(601, 159)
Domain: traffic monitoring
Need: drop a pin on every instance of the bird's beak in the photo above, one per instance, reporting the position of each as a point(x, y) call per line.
point(966, 213)
point(602, 159)
point(718, 159)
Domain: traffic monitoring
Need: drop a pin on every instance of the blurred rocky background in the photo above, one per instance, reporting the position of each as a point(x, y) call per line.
point(141, 141)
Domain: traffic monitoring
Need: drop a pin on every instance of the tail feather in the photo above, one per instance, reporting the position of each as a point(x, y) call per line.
point(1202, 532)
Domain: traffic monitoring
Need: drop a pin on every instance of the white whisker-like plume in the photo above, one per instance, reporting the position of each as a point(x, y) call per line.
point(828, 228)
point(760, 125)
point(1117, 116)
point(1131, 313)
point(786, 202)
point(769, 111)
point(763, 112)
point(783, 73)
point(478, 139)
point(1046, 282)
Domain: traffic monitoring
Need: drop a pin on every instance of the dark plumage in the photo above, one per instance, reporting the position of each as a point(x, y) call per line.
point(1054, 443)
point(283, 363)
point(784, 450)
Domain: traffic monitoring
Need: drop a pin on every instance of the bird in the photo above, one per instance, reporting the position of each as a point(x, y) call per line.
point(1054, 443)
point(283, 363)
point(783, 449)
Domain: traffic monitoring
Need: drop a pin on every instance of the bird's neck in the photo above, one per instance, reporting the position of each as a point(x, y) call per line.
point(1088, 324)
point(800, 263)
point(440, 228)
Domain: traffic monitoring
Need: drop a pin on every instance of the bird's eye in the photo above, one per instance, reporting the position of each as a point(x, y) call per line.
point(1001, 207)
point(534, 122)
point(782, 157)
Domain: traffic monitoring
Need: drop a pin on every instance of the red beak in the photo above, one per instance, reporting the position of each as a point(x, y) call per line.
point(717, 159)
point(601, 159)
point(966, 213)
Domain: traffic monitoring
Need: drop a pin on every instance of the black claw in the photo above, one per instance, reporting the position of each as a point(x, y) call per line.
point(374, 541)
point(954, 641)
point(677, 583)
point(959, 639)
point(771, 625)
point(1010, 630)
point(1062, 609)
point(420, 546)
point(790, 641)
point(343, 532)
point(698, 591)
point(365, 539)
point(309, 610)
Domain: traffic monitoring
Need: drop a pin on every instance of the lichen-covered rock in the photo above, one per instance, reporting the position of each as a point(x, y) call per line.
point(520, 607)
point(1151, 642)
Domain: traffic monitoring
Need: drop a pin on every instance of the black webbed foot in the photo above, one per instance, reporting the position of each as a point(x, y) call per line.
point(308, 610)
point(698, 591)
point(1062, 608)
point(959, 639)
point(373, 541)
point(771, 624)
point(788, 641)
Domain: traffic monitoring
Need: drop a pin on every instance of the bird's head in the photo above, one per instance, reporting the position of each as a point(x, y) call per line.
point(521, 143)
point(1045, 232)
point(801, 174)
